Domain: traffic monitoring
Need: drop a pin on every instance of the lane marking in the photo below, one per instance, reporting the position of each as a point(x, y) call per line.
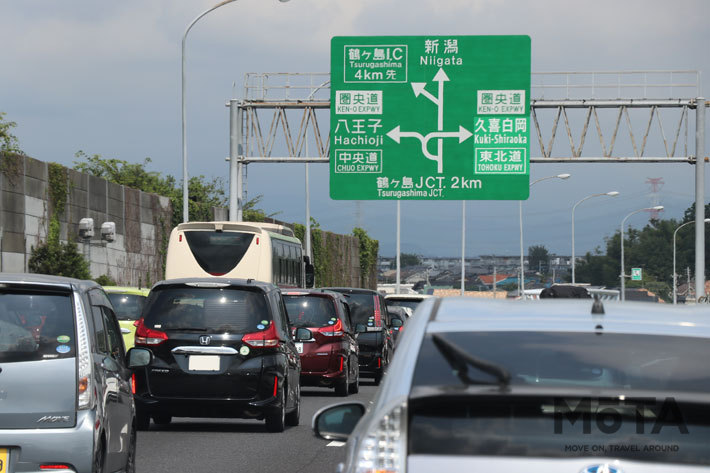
point(336, 443)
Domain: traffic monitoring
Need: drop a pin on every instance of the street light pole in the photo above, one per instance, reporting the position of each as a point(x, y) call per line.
point(675, 276)
point(623, 271)
point(521, 280)
point(308, 191)
point(611, 194)
point(185, 207)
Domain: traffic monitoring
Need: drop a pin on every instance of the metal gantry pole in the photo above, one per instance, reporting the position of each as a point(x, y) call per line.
point(238, 201)
point(521, 282)
point(234, 143)
point(463, 247)
point(699, 197)
point(397, 282)
point(623, 273)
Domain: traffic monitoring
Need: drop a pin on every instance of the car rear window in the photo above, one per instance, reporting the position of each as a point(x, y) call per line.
point(211, 310)
point(218, 252)
point(538, 426)
point(310, 311)
point(36, 326)
point(412, 304)
point(127, 306)
point(587, 360)
point(365, 309)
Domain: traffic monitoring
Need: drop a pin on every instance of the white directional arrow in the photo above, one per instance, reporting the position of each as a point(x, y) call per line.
point(395, 134)
point(418, 88)
point(441, 77)
point(463, 134)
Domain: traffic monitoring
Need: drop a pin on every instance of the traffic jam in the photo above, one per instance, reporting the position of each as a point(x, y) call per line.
point(561, 384)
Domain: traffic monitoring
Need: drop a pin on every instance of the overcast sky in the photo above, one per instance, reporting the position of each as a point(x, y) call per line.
point(104, 77)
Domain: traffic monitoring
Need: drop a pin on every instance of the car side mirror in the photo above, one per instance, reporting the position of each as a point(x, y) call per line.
point(303, 334)
point(337, 422)
point(139, 357)
point(360, 328)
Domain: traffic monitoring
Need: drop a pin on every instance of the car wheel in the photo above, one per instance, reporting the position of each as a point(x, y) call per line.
point(131, 460)
point(378, 377)
point(294, 417)
point(276, 416)
point(142, 420)
point(162, 419)
point(341, 387)
point(354, 388)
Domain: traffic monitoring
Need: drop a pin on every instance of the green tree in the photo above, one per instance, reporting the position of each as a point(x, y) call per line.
point(538, 258)
point(409, 259)
point(57, 258)
point(368, 257)
point(8, 141)
point(203, 193)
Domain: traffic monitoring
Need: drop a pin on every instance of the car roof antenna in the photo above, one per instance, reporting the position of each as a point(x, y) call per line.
point(597, 306)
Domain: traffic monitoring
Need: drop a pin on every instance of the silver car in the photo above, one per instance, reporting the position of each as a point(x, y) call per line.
point(543, 386)
point(65, 386)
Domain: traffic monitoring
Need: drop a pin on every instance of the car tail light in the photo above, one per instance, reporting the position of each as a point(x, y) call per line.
point(149, 336)
point(265, 339)
point(383, 447)
point(332, 330)
point(133, 383)
point(56, 467)
point(84, 351)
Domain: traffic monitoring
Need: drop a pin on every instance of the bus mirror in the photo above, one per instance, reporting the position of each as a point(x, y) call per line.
point(310, 275)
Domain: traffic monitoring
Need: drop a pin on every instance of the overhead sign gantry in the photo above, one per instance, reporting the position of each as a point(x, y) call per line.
point(430, 117)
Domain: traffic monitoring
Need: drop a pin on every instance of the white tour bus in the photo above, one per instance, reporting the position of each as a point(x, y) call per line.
point(261, 251)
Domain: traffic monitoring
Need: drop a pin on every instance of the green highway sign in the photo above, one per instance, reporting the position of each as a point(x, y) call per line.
point(430, 117)
point(635, 274)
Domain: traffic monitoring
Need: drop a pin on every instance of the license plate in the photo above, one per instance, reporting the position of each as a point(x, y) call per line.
point(299, 347)
point(201, 363)
point(4, 456)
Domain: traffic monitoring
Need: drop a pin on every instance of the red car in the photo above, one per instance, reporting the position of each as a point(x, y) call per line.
point(330, 357)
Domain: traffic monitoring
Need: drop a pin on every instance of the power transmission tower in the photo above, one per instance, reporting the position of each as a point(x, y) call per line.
point(656, 184)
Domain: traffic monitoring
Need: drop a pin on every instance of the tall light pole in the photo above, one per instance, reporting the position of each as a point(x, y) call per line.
point(675, 276)
point(308, 191)
point(185, 207)
point(611, 194)
point(521, 280)
point(623, 271)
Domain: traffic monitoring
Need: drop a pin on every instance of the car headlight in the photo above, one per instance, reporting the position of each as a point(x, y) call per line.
point(383, 448)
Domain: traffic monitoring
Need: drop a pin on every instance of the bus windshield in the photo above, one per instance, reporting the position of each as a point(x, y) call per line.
point(218, 252)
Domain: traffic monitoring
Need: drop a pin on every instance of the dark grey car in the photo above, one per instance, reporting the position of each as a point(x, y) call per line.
point(65, 389)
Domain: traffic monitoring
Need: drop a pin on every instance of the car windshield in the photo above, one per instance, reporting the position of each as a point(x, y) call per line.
point(36, 326)
point(609, 360)
point(365, 309)
point(211, 310)
point(127, 306)
point(310, 311)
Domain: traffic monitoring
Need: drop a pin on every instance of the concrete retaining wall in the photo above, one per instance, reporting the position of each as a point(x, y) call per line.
point(142, 221)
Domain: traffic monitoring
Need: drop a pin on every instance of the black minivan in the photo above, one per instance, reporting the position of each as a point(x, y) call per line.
point(221, 348)
point(368, 312)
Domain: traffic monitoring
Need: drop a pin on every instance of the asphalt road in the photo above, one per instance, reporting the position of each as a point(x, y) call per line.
point(240, 445)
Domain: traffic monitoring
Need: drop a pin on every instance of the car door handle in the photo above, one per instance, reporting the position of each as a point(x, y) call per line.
point(125, 331)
